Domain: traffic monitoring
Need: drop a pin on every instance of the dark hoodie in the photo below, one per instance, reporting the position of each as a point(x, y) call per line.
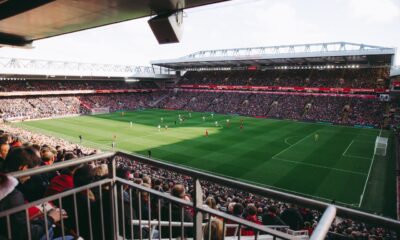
point(10, 197)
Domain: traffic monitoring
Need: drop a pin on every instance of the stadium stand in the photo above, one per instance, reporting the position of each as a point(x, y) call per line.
point(339, 110)
point(45, 85)
point(354, 78)
point(144, 190)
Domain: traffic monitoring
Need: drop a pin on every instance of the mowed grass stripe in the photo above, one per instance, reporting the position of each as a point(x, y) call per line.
point(313, 168)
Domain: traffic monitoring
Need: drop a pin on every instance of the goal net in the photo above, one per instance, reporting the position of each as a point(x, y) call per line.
point(380, 146)
point(100, 110)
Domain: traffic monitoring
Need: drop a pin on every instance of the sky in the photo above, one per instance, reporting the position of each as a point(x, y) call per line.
point(233, 24)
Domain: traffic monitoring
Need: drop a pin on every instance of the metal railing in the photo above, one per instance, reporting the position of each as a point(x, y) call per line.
point(122, 215)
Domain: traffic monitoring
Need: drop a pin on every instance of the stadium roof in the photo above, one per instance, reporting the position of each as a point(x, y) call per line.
point(336, 53)
point(395, 71)
point(23, 21)
point(14, 69)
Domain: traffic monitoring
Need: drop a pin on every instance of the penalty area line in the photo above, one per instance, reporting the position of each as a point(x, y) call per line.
point(301, 140)
point(345, 151)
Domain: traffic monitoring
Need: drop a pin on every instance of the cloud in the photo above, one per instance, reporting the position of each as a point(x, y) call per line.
point(375, 11)
point(232, 24)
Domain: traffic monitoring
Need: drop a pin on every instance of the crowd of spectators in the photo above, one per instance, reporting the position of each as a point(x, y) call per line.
point(120, 101)
point(352, 78)
point(254, 208)
point(49, 85)
point(39, 107)
point(22, 108)
point(339, 110)
point(21, 150)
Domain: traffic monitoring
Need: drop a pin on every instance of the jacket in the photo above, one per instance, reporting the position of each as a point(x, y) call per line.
point(10, 197)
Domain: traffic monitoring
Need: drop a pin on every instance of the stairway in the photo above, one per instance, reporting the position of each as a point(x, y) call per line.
point(154, 103)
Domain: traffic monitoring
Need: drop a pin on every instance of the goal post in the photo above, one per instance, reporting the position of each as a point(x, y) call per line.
point(380, 146)
point(100, 110)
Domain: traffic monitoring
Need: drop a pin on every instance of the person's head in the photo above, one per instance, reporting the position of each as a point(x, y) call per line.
point(147, 179)
point(48, 156)
point(237, 209)
point(83, 175)
point(178, 191)
point(4, 138)
point(230, 206)
point(157, 182)
point(36, 146)
point(273, 209)
point(138, 181)
point(165, 187)
point(69, 156)
point(102, 171)
point(4, 148)
point(122, 172)
point(20, 159)
point(210, 201)
point(251, 209)
point(18, 141)
point(145, 195)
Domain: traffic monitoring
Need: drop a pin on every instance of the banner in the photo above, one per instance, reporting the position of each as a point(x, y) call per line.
point(70, 92)
point(279, 88)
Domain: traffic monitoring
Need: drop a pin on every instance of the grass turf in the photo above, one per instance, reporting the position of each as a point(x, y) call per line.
point(281, 154)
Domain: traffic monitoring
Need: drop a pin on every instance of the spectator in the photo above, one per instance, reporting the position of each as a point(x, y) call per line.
point(4, 148)
point(270, 217)
point(217, 230)
point(84, 200)
point(11, 197)
point(178, 191)
point(251, 215)
point(292, 217)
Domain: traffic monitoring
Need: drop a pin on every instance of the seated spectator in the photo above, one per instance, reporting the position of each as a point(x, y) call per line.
point(251, 215)
point(217, 230)
point(4, 148)
point(23, 158)
point(270, 217)
point(11, 197)
point(88, 223)
point(176, 215)
point(64, 181)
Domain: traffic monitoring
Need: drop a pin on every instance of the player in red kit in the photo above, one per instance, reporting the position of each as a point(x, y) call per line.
point(206, 132)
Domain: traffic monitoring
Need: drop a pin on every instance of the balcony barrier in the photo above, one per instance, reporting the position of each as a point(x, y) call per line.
point(127, 210)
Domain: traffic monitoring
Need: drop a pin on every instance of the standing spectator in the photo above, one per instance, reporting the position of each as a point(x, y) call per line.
point(292, 217)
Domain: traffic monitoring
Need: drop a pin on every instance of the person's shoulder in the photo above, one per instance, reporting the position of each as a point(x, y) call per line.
point(13, 199)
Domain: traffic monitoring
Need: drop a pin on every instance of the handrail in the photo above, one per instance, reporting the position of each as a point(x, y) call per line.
point(54, 197)
point(198, 175)
point(261, 228)
point(61, 165)
point(324, 224)
point(270, 193)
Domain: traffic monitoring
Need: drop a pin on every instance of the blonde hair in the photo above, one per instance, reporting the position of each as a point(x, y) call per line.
point(216, 232)
point(101, 170)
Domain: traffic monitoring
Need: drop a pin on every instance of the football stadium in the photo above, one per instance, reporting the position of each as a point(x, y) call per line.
point(288, 141)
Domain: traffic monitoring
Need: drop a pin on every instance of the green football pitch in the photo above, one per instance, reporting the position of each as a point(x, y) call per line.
point(317, 160)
